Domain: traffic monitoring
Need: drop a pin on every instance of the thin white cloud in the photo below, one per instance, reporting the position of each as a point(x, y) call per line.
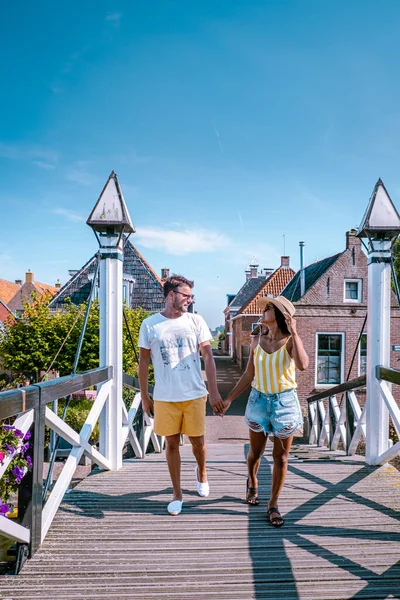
point(114, 18)
point(188, 241)
point(68, 214)
point(44, 165)
point(28, 152)
point(219, 140)
point(79, 173)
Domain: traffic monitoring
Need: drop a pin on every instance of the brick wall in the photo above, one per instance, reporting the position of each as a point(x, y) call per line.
point(323, 309)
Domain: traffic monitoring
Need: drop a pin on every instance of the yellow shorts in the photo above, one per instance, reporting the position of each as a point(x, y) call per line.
point(188, 417)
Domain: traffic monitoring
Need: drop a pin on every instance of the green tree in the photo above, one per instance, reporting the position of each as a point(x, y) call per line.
point(42, 339)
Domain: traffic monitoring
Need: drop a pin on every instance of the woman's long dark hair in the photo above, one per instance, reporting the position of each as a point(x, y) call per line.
point(280, 321)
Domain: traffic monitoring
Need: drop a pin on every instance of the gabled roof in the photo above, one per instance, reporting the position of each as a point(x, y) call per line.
point(147, 290)
point(7, 290)
point(247, 290)
point(312, 273)
point(273, 286)
point(24, 293)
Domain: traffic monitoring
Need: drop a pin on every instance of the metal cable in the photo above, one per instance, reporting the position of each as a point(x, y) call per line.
point(68, 398)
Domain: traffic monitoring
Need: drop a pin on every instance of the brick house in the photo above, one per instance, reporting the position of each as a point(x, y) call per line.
point(331, 316)
point(243, 311)
point(235, 301)
point(12, 295)
point(25, 290)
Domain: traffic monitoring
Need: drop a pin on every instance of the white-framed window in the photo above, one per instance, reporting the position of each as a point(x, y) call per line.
point(352, 290)
point(330, 358)
point(254, 325)
point(362, 355)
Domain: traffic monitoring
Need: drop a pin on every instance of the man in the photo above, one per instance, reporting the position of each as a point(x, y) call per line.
point(173, 339)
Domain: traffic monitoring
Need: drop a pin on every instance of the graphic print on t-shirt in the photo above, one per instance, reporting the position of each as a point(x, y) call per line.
point(174, 350)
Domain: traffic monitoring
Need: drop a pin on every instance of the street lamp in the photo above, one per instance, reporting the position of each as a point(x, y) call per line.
point(381, 221)
point(380, 225)
point(110, 220)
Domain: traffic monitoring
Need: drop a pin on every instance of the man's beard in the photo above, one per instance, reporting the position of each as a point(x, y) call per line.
point(179, 307)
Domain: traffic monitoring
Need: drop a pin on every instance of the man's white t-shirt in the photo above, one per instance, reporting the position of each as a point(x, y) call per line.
point(174, 346)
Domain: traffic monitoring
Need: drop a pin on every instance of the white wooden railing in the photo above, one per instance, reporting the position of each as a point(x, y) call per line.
point(336, 415)
point(30, 404)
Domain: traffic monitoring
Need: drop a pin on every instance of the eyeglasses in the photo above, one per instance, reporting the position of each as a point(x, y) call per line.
point(268, 307)
point(189, 296)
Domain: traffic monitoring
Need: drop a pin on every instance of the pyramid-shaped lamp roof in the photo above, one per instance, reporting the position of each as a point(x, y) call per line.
point(110, 210)
point(381, 219)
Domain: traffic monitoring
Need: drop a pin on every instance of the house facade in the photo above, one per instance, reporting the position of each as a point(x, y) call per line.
point(14, 295)
point(246, 317)
point(331, 317)
point(254, 280)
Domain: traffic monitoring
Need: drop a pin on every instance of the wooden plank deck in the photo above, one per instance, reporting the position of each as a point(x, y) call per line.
point(112, 537)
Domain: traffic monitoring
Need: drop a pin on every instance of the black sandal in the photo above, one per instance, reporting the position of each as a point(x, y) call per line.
point(251, 494)
point(275, 520)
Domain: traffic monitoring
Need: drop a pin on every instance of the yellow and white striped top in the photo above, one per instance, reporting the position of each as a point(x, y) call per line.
point(274, 372)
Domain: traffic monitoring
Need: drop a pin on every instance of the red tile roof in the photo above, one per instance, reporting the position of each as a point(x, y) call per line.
point(272, 286)
point(7, 290)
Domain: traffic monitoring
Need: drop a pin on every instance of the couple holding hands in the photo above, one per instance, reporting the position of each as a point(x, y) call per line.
point(174, 339)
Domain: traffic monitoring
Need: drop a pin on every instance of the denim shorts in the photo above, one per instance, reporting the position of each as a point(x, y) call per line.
point(274, 414)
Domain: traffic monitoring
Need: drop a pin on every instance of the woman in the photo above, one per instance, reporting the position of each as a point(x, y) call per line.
point(273, 408)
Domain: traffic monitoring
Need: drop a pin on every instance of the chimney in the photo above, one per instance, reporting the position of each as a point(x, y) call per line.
point(18, 282)
point(351, 239)
point(285, 261)
point(29, 277)
point(253, 270)
point(57, 284)
point(248, 274)
point(164, 273)
point(302, 272)
point(267, 272)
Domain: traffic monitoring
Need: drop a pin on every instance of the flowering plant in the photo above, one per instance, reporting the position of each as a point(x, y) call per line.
point(15, 445)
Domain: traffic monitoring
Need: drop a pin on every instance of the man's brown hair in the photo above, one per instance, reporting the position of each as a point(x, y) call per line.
point(175, 281)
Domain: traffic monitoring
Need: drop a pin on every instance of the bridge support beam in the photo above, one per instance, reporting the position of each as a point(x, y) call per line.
point(378, 347)
point(110, 221)
point(111, 305)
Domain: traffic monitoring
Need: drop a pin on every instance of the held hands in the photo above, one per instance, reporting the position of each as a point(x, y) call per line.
point(217, 404)
point(222, 410)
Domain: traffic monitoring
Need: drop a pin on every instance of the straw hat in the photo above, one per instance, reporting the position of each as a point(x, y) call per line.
point(282, 303)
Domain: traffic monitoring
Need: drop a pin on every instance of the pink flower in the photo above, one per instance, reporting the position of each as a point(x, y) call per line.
point(2, 455)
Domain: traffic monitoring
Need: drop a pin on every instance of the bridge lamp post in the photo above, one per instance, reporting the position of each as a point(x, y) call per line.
point(380, 226)
point(110, 220)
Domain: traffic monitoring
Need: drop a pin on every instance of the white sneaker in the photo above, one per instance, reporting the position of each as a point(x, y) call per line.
point(175, 507)
point(203, 489)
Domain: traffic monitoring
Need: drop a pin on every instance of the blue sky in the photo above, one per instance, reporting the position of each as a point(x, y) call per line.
point(230, 124)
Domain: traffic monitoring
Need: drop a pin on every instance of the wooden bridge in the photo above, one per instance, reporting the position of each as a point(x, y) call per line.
point(112, 536)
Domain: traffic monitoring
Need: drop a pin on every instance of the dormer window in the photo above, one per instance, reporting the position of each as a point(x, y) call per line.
point(352, 290)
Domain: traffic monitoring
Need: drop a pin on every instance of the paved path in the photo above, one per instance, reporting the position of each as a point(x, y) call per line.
point(231, 427)
point(112, 538)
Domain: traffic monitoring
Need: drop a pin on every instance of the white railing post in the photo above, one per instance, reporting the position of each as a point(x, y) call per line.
point(111, 304)
point(378, 348)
